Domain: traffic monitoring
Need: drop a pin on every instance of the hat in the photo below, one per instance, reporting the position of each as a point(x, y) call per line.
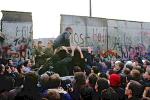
point(115, 80)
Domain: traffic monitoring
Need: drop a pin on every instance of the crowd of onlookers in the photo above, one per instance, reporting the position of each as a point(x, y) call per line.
point(99, 80)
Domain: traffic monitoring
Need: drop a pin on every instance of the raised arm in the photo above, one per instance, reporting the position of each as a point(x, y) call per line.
point(79, 49)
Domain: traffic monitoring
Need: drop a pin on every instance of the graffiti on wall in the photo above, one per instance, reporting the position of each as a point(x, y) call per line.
point(127, 39)
point(90, 39)
point(18, 40)
point(127, 44)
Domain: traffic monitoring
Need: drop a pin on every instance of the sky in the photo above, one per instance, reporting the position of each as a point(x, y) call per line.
point(46, 13)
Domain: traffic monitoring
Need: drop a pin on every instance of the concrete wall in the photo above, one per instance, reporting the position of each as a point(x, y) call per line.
point(18, 30)
point(125, 37)
point(18, 34)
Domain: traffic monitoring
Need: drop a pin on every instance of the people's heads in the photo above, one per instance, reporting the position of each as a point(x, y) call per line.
point(31, 80)
point(129, 63)
point(76, 69)
point(146, 64)
point(8, 70)
point(69, 29)
point(27, 63)
point(147, 93)
point(103, 75)
point(10, 62)
point(89, 49)
point(50, 44)
point(117, 63)
point(115, 80)
point(139, 68)
point(148, 68)
point(101, 84)
point(55, 81)
point(32, 62)
point(87, 71)
point(146, 75)
point(61, 53)
point(118, 66)
point(20, 68)
point(80, 79)
point(92, 79)
point(134, 64)
point(13, 68)
point(95, 69)
point(109, 94)
point(135, 75)
point(44, 80)
point(2, 68)
point(86, 93)
point(1, 55)
point(126, 71)
point(134, 89)
point(40, 44)
point(129, 66)
point(53, 95)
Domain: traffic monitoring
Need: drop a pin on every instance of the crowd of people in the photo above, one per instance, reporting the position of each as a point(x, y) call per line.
point(90, 78)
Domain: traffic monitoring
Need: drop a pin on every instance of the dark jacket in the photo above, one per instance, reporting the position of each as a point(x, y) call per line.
point(62, 40)
point(120, 92)
point(134, 98)
point(63, 94)
point(84, 93)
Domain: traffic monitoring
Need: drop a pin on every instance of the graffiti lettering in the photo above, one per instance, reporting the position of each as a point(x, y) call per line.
point(99, 38)
point(23, 30)
point(78, 38)
point(20, 43)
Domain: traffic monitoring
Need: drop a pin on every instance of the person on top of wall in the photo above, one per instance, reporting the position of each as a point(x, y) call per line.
point(63, 39)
